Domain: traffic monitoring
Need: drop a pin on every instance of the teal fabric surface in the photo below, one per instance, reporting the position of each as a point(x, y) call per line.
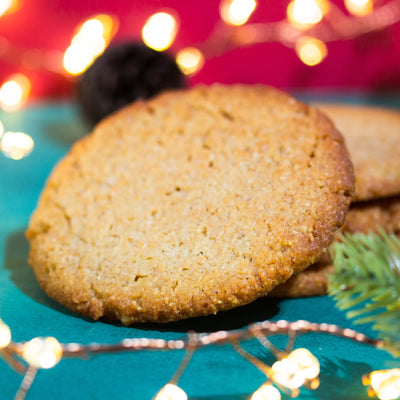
point(214, 373)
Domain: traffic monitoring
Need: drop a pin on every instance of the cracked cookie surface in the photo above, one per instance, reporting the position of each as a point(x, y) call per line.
point(191, 203)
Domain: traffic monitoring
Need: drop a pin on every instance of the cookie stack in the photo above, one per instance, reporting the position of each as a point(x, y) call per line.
point(190, 203)
point(372, 136)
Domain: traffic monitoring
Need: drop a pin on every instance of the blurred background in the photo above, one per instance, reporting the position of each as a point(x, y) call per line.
point(334, 45)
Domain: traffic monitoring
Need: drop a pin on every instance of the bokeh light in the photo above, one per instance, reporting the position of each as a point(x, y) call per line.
point(160, 30)
point(190, 60)
point(5, 5)
point(295, 369)
point(237, 12)
point(266, 392)
point(89, 42)
point(5, 335)
point(14, 92)
point(16, 145)
point(8, 6)
point(359, 8)
point(42, 352)
point(303, 14)
point(311, 51)
point(385, 384)
point(171, 391)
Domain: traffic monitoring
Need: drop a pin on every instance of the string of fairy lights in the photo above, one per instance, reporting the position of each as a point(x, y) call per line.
point(308, 27)
point(293, 369)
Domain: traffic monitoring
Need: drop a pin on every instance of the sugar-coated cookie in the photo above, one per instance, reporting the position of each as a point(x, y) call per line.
point(190, 203)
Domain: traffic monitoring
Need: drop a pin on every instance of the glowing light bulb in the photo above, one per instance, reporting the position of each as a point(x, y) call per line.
point(237, 12)
point(5, 335)
point(266, 392)
point(302, 14)
point(307, 363)
point(295, 369)
point(159, 31)
point(5, 5)
point(42, 352)
point(16, 145)
point(310, 50)
point(88, 43)
point(14, 92)
point(385, 384)
point(8, 6)
point(359, 8)
point(77, 59)
point(190, 60)
point(171, 392)
point(91, 28)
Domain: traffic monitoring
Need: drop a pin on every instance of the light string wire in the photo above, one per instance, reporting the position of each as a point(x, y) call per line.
point(335, 26)
point(14, 353)
point(299, 30)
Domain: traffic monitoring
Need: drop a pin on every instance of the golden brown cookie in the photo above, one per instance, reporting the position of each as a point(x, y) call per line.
point(191, 203)
point(373, 139)
point(374, 215)
point(372, 136)
point(363, 217)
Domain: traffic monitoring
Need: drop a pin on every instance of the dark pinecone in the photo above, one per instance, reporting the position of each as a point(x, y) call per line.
point(122, 74)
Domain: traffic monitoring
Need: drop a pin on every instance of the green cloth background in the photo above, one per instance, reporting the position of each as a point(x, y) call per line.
point(214, 373)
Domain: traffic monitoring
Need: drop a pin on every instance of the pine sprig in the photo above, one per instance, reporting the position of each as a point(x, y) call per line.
point(366, 282)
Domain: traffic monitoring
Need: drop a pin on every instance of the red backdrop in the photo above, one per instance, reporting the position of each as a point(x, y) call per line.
point(368, 62)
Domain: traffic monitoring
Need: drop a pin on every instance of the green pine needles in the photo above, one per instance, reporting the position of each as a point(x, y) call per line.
point(366, 282)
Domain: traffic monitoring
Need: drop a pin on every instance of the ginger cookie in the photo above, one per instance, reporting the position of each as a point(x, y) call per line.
point(193, 202)
point(372, 137)
point(363, 217)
